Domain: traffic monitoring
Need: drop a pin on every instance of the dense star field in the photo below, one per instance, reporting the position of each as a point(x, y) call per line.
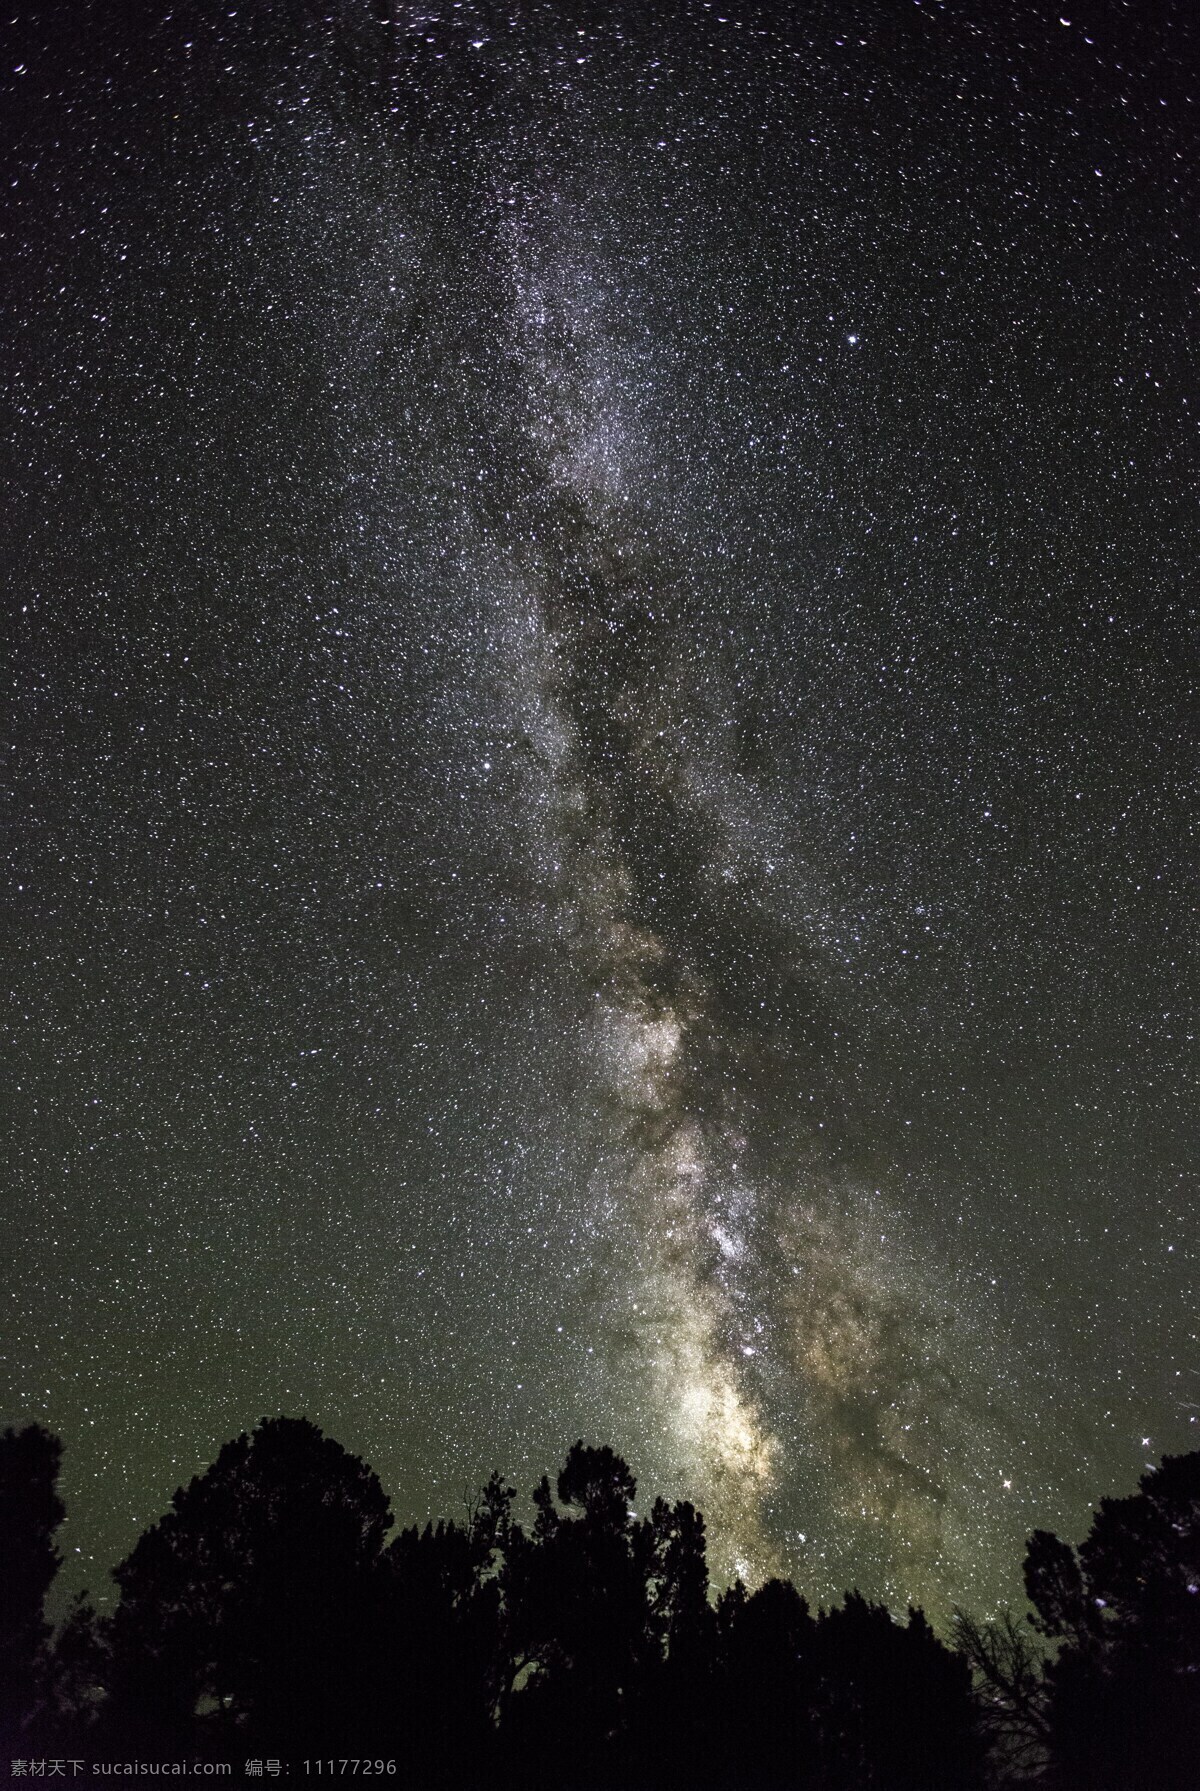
point(602, 769)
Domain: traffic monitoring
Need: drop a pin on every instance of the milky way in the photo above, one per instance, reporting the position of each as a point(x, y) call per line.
point(601, 765)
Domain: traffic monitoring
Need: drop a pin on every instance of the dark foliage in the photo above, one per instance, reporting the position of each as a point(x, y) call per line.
point(892, 1706)
point(30, 1512)
point(266, 1613)
point(1123, 1692)
point(252, 1609)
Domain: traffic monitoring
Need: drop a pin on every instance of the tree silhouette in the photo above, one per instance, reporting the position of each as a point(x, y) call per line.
point(30, 1512)
point(445, 1670)
point(893, 1705)
point(251, 1608)
point(681, 1604)
point(1054, 1582)
point(74, 1675)
point(1010, 1668)
point(580, 1632)
point(264, 1612)
point(668, 1736)
point(1124, 1690)
point(767, 1685)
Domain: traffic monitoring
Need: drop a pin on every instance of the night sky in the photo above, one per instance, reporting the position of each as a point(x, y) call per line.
point(599, 798)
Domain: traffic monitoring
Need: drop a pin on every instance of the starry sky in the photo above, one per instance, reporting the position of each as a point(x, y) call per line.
point(601, 772)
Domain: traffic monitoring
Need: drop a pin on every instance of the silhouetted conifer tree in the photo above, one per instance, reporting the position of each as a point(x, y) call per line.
point(579, 1628)
point(252, 1609)
point(446, 1668)
point(1124, 1689)
point(668, 1735)
point(893, 1706)
point(74, 1676)
point(30, 1512)
point(764, 1689)
point(263, 1612)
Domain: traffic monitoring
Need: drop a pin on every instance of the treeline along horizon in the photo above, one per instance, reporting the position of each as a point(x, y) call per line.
point(268, 1611)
